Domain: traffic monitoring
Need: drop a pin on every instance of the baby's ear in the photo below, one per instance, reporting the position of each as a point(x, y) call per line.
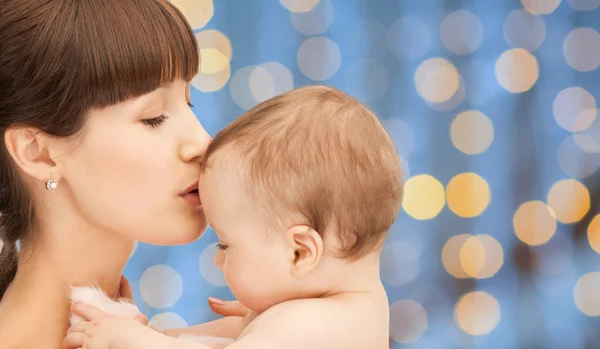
point(306, 247)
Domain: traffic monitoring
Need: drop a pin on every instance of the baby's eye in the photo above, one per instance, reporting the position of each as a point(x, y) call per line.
point(221, 247)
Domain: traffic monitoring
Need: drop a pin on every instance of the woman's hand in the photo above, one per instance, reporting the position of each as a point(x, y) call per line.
point(100, 331)
point(231, 308)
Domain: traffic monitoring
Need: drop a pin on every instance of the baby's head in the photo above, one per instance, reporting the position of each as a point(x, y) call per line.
point(297, 184)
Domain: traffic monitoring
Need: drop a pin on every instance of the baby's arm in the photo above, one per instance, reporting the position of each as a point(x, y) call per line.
point(228, 327)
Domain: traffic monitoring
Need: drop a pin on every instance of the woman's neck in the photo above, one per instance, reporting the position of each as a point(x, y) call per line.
point(48, 266)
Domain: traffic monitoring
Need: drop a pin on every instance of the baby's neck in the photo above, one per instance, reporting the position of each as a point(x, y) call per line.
point(360, 276)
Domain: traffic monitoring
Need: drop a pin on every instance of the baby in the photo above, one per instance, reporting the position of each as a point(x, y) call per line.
point(301, 191)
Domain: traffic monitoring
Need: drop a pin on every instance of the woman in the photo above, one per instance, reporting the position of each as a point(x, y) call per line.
point(100, 149)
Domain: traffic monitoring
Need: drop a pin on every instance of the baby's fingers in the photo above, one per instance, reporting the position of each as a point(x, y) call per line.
point(87, 311)
point(80, 327)
point(73, 340)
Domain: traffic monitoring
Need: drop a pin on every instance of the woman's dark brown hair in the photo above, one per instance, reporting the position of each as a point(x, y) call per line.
point(61, 58)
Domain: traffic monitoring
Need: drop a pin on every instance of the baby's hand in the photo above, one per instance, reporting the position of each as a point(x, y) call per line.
point(100, 330)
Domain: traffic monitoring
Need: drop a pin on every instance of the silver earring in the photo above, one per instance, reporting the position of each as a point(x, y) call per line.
point(52, 184)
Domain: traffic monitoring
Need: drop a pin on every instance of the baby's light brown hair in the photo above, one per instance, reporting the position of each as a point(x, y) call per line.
point(318, 155)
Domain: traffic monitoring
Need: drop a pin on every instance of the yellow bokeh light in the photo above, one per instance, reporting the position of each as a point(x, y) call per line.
point(299, 5)
point(472, 132)
point(212, 38)
point(494, 257)
point(468, 194)
point(212, 61)
point(569, 199)
point(437, 80)
point(585, 294)
point(214, 71)
point(423, 197)
point(472, 256)
point(593, 233)
point(517, 70)
point(479, 256)
point(477, 313)
point(215, 55)
point(451, 258)
point(534, 223)
point(541, 7)
point(197, 12)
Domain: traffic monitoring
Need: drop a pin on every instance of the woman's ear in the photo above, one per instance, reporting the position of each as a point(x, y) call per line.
point(29, 148)
point(307, 247)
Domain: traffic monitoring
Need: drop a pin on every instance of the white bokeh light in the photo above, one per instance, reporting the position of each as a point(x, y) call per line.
point(319, 58)
point(462, 32)
point(270, 79)
point(315, 21)
point(408, 38)
point(209, 269)
point(166, 321)
point(524, 29)
point(399, 263)
point(161, 286)
point(367, 80)
point(581, 49)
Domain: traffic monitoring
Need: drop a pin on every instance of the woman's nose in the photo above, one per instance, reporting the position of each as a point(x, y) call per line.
point(193, 149)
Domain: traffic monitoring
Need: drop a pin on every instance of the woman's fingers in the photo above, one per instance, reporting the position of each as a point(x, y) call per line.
point(231, 308)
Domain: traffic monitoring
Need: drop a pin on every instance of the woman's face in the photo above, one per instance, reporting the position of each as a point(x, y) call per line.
point(136, 162)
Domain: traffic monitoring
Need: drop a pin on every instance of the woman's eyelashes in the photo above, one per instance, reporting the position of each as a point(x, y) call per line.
point(155, 122)
point(221, 247)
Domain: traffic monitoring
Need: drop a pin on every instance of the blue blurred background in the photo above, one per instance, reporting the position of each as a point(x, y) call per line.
point(492, 105)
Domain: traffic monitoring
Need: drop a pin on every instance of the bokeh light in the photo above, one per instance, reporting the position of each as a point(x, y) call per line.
point(269, 80)
point(534, 223)
point(451, 256)
point(523, 29)
point(408, 38)
point(299, 5)
point(585, 294)
point(319, 58)
point(437, 80)
point(399, 263)
point(197, 12)
point(569, 199)
point(593, 233)
point(573, 160)
point(542, 7)
point(408, 321)
point(316, 21)
point(462, 32)
point(475, 256)
point(468, 194)
point(571, 109)
point(581, 49)
point(517, 70)
point(477, 313)
point(215, 57)
point(584, 5)
point(472, 132)
point(423, 197)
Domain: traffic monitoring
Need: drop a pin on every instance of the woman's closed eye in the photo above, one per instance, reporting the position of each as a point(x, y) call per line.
point(155, 122)
point(221, 247)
